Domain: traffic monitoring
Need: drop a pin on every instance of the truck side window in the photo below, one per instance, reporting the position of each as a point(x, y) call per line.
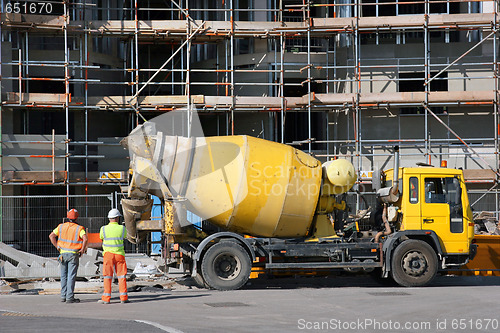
point(447, 191)
point(434, 190)
point(454, 199)
point(413, 190)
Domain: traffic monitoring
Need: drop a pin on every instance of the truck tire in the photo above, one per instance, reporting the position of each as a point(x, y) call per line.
point(226, 266)
point(414, 263)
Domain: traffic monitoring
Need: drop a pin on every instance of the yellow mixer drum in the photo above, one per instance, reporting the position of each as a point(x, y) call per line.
point(249, 185)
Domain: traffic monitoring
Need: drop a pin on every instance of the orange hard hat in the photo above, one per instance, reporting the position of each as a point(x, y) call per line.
point(72, 214)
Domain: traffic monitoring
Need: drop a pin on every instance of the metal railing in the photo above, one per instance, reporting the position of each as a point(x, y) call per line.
point(27, 221)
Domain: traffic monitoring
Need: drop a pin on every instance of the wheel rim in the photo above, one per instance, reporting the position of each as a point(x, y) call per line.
point(414, 263)
point(227, 266)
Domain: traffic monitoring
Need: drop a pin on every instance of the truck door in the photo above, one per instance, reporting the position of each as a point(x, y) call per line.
point(442, 212)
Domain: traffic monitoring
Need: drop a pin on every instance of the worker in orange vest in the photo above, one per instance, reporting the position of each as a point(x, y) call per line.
point(71, 241)
point(112, 236)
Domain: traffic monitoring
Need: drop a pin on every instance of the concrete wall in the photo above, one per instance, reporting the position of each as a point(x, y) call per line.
point(462, 77)
point(255, 83)
point(33, 149)
point(117, 157)
point(6, 70)
point(386, 125)
point(397, 56)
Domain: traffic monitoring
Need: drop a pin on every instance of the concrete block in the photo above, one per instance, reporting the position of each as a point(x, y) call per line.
point(22, 265)
point(133, 259)
point(490, 226)
point(19, 256)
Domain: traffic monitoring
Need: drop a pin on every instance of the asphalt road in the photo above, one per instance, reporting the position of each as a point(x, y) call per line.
point(333, 304)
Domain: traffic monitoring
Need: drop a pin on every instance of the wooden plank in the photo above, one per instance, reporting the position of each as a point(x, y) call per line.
point(105, 102)
point(404, 21)
point(36, 98)
point(153, 27)
point(404, 97)
point(479, 174)
point(32, 21)
point(33, 176)
point(77, 290)
point(114, 101)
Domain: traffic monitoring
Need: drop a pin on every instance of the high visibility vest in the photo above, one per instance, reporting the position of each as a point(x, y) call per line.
point(69, 237)
point(112, 236)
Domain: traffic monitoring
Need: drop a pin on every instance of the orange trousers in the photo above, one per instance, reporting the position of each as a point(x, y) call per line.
point(116, 262)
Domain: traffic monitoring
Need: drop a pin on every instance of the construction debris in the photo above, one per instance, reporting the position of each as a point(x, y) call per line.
point(31, 274)
point(145, 270)
point(16, 264)
point(81, 287)
point(485, 223)
point(140, 264)
point(157, 288)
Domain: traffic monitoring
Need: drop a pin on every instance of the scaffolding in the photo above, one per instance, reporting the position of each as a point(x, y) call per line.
point(343, 78)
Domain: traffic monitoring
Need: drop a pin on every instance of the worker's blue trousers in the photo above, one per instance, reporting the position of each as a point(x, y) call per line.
point(69, 267)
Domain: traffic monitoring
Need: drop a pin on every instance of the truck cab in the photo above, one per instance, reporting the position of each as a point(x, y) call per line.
point(435, 215)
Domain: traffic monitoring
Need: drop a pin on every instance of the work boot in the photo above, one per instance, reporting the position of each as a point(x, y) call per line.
point(102, 302)
point(73, 300)
point(63, 300)
point(125, 301)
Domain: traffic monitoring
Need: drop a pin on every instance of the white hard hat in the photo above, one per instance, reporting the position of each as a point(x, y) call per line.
point(114, 213)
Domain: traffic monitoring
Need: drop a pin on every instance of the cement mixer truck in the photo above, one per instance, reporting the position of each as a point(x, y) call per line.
point(273, 207)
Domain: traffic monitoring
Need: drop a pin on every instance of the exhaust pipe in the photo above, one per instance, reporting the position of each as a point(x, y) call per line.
point(395, 172)
point(391, 194)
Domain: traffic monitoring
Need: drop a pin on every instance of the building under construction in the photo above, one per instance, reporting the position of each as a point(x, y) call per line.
point(337, 78)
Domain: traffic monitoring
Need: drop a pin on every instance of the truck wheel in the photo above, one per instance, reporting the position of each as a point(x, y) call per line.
point(226, 266)
point(414, 263)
